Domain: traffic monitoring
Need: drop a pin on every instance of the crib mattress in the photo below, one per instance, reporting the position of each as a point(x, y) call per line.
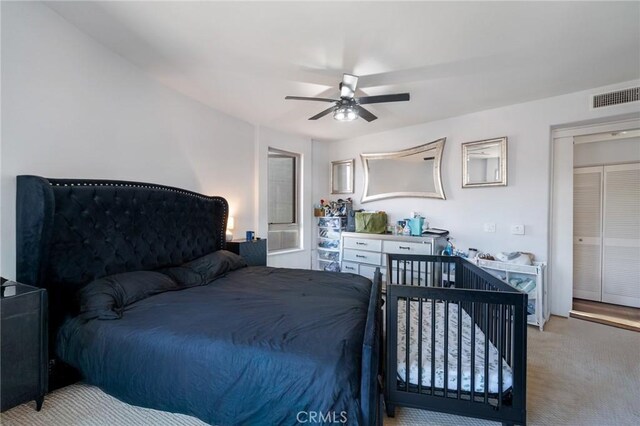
point(452, 368)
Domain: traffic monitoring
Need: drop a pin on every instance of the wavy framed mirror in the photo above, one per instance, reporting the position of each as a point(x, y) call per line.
point(412, 172)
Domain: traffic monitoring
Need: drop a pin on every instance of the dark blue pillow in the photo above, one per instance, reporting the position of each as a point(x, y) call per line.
point(205, 269)
point(106, 298)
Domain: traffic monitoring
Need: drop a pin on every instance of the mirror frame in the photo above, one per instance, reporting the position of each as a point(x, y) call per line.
point(503, 162)
point(350, 179)
point(437, 145)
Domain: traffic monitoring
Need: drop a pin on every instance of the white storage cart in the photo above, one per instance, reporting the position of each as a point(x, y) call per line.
point(329, 231)
point(529, 278)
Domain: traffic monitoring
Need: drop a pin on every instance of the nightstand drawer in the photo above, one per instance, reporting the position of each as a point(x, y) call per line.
point(362, 256)
point(406, 247)
point(362, 244)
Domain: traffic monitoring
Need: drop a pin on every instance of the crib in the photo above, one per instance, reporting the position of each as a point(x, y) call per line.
point(446, 311)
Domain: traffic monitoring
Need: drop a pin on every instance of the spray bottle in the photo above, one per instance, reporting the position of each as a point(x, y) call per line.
point(448, 250)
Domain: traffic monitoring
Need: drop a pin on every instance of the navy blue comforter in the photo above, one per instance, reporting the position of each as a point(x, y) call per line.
point(256, 347)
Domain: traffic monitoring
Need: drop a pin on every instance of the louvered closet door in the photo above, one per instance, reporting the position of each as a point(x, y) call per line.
point(621, 243)
point(587, 222)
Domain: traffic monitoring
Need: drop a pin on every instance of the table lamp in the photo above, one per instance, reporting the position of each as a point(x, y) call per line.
point(230, 226)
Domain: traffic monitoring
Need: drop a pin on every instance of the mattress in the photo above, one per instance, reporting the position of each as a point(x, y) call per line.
point(452, 349)
point(254, 347)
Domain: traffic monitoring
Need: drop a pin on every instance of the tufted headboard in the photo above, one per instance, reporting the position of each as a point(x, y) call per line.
point(72, 231)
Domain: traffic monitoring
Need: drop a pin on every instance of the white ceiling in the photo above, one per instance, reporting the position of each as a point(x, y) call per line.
point(243, 58)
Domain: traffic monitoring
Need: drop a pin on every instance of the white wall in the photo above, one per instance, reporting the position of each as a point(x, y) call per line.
point(72, 108)
point(606, 152)
point(267, 138)
point(524, 201)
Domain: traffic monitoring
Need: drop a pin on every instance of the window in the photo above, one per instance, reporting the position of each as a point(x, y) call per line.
point(283, 174)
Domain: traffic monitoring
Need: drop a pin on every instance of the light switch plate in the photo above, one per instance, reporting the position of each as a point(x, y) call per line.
point(489, 227)
point(517, 229)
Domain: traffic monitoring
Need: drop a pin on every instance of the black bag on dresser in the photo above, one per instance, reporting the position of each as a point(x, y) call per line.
point(351, 218)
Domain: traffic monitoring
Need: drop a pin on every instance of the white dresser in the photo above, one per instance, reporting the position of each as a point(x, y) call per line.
point(363, 253)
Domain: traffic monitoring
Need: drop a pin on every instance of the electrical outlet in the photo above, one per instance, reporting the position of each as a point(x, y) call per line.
point(517, 229)
point(489, 227)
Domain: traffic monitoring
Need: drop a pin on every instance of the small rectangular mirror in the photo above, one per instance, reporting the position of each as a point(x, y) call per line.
point(342, 176)
point(484, 163)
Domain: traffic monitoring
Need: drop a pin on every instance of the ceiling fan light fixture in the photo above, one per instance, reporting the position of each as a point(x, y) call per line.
point(345, 113)
point(348, 107)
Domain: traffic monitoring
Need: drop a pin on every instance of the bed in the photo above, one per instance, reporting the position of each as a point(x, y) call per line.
point(250, 345)
point(456, 339)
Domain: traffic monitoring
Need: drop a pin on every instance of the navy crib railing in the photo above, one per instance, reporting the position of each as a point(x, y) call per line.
point(496, 308)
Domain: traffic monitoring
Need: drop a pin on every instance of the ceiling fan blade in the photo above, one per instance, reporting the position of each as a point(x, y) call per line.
point(398, 97)
point(323, 113)
point(366, 114)
point(348, 86)
point(304, 98)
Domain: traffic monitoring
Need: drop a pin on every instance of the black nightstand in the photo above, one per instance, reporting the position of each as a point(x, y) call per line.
point(23, 347)
point(254, 251)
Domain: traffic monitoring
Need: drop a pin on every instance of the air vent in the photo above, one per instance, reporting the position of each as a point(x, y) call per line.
point(616, 98)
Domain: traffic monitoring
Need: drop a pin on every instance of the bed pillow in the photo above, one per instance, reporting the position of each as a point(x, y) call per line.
point(205, 269)
point(106, 298)
point(183, 276)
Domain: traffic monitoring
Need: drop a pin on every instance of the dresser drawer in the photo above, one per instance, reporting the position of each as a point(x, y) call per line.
point(331, 233)
point(362, 256)
point(406, 247)
point(331, 222)
point(368, 271)
point(327, 265)
point(362, 244)
point(328, 244)
point(349, 267)
point(332, 256)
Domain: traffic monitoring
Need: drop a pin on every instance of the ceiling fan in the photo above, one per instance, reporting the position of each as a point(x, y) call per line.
point(348, 107)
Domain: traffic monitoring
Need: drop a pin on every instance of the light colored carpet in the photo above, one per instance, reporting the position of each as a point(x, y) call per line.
point(579, 373)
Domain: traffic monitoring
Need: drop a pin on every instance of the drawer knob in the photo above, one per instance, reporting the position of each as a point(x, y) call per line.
point(404, 248)
point(361, 256)
point(349, 267)
point(358, 243)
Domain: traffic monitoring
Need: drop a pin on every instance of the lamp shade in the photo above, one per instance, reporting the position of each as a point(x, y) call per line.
point(230, 226)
